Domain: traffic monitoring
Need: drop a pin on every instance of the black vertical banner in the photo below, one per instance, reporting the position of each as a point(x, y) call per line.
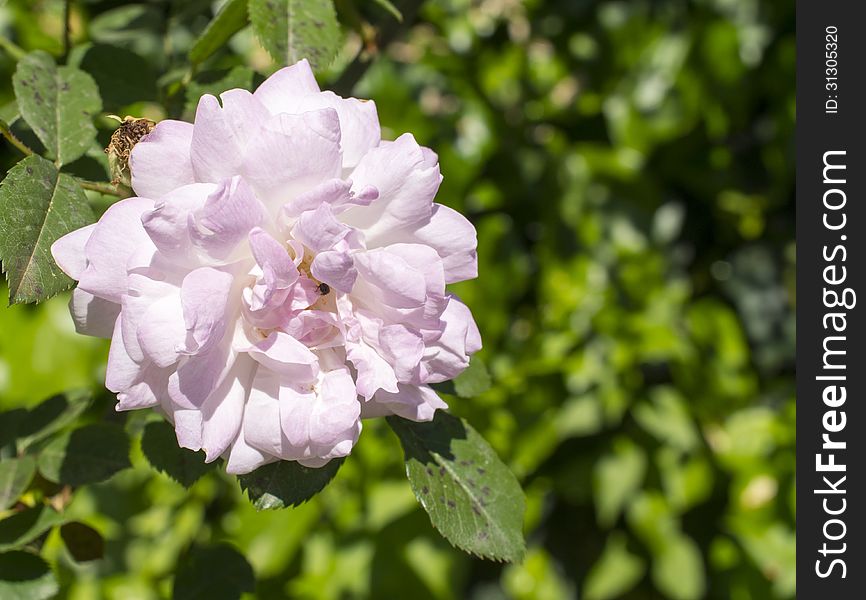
point(831, 328)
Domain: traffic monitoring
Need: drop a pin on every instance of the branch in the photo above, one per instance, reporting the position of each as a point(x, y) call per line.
point(10, 137)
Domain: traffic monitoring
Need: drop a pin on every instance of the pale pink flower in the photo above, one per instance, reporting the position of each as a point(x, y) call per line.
point(280, 275)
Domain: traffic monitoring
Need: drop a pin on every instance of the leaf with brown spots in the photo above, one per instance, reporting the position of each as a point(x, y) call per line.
point(294, 29)
point(59, 104)
point(473, 499)
point(38, 205)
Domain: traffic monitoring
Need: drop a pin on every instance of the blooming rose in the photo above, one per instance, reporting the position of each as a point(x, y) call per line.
point(280, 275)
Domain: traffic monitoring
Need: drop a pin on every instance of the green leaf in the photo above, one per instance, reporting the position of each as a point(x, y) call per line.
point(615, 573)
point(25, 576)
point(617, 477)
point(83, 541)
point(23, 527)
point(38, 205)
point(51, 415)
point(15, 476)
point(391, 9)
point(86, 455)
point(230, 19)
point(473, 499)
point(286, 483)
point(474, 381)
point(294, 29)
point(159, 444)
point(58, 103)
point(215, 573)
point(123, 77)
point(678, 570)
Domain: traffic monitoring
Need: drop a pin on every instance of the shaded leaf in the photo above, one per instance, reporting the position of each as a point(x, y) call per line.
point(215, 573)
point(58, 103)
point(10, 424)
point(15, 476)
point(38, 205)
point(159, 444)
point(473, 499)
point(51, 415)
point(294, 29)
point(25, 576)
point(83, 542)
point(230, 19)
point(286, 483)
point(86, 455)
point(123, 76)
point(23, 527)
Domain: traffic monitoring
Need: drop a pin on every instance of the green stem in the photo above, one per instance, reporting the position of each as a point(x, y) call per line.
point(103, 188)
point(11, 48)
point(10, 137)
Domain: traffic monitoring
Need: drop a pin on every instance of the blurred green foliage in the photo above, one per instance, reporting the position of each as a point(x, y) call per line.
point(629, 168)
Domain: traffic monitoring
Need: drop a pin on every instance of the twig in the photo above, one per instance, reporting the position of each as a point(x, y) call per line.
point(103, 188)
point(10, 137)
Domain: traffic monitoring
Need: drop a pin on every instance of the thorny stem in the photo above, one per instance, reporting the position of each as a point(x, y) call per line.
point(10, 137)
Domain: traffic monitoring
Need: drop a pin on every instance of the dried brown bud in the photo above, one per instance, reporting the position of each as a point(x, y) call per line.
point(123, 140)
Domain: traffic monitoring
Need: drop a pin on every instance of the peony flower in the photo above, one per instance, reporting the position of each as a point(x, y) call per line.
point(279, 276)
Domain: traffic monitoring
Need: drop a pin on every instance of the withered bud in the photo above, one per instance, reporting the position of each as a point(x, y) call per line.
point(123, 140)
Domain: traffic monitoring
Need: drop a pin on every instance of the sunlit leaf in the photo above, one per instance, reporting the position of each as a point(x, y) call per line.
point(38, 205)
point(678, 569)
point(294, 29)
point(58, 103)
point(615, 573)
point(15, 476)
point(230, 19)
point(473, 499)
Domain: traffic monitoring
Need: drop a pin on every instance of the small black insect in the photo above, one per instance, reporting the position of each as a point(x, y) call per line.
point(324, 288)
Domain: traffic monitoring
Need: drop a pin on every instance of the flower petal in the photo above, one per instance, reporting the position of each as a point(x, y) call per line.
point(291, 154)
point(413, 402)
point(117, 235)
point(91, 315)
point(221, 133)
point(160, 162)
point(281, 91)
point(407, 179)
point(68, 251)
